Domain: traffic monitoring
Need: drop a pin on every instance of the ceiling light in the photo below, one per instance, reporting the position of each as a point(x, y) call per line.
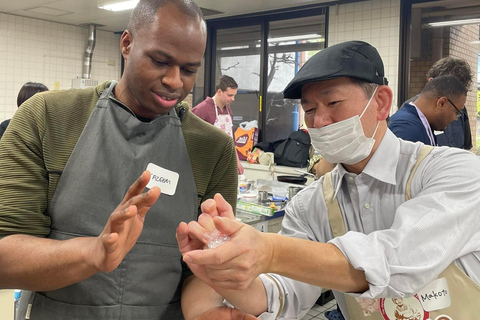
point(453, 23)
point(295, 38)
point(116, 5)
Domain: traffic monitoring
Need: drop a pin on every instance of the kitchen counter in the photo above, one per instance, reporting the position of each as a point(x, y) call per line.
point(262, 222)
point(254, 171)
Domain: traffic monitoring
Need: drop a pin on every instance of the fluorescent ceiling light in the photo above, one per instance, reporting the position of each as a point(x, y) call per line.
point(234, 48)
point(453, 23)
point(295, 38)
point(116, 5)
point(475, 42)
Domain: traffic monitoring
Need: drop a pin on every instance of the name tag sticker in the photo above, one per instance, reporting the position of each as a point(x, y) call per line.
point(165, 179)
point(435, 296)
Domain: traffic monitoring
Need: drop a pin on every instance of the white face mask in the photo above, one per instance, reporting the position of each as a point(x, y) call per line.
point(343, 142)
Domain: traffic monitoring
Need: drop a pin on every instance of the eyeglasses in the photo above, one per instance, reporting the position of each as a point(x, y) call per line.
point(459, 113)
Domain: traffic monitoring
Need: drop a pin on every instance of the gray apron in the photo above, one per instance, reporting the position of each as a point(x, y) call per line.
point(111, 153)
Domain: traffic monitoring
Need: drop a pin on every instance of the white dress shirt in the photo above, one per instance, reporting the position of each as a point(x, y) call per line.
point(401, 245)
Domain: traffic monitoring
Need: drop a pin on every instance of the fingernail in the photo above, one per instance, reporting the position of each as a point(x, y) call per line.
point(187, 259)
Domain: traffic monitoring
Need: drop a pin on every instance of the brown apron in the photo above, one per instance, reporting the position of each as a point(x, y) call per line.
point(453, 283)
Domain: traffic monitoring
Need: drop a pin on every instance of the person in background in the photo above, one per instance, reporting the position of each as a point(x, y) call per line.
point(74, 229)
point(393, 219)
point(458, 133)
point(216, 110)
point(434, 109)
point(27, 90)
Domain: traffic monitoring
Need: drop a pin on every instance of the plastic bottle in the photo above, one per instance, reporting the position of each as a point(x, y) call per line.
point(294, 119)
point(242, 184)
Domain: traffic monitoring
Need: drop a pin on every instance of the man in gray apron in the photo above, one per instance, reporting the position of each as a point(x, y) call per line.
point(68, 159)
point(393, 229)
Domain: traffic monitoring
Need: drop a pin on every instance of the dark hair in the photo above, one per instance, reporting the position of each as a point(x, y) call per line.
point(225, 82)
point(456, 67)
point(28, 90)
point(444, 86)
point(145, 11)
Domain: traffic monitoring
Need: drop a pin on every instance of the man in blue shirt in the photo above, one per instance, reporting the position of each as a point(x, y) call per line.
point(441, 102)
point(457, 134)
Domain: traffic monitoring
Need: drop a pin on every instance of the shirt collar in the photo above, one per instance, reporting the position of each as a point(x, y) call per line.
point(382, 165)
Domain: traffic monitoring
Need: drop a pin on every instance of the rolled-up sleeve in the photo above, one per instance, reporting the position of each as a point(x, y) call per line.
point(437, 226)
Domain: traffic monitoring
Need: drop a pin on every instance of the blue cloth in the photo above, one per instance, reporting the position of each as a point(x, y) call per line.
point(406, 124)
point(335, 314)
point(457, 134)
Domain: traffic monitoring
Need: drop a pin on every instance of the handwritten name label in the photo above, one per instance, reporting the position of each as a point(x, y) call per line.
point(165, 179)
point(435, 296)
point(161, 179)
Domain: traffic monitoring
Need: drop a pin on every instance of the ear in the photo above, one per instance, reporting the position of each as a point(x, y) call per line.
point(440, 104)
point(384, 97)
point(125, 43)
point(219, 92)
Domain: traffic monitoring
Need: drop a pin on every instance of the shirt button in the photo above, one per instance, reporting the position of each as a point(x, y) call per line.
point(366, 205)
point(350, 179)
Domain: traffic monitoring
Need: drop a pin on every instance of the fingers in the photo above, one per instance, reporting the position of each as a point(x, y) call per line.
point(218, 206)
point(143, 201)
point(223, 207)
point(182, 235)
point(138, 186)
point(206, 221)
point(211, 257)
point(227, 226)
point(198, 233)
point(221, 254)
point(146, 200)
point(191, 238)
point(210, 207)
point(119, 216)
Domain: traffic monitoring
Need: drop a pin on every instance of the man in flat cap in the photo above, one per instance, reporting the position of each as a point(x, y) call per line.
point(393, 229)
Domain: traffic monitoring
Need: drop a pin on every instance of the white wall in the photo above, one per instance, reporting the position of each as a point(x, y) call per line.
point(47, 52)
point(376, 22)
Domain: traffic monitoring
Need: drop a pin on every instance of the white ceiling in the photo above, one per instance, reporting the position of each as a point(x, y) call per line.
point(83, 12)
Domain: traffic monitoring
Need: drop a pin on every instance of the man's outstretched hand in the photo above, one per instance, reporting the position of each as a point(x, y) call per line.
point(124, 225)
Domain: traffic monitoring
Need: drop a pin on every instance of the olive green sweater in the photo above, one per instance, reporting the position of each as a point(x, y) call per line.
point(41, 136)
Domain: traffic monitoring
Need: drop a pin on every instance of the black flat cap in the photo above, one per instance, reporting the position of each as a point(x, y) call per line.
point(355, 59)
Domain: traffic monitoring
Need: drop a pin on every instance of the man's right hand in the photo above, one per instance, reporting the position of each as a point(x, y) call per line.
point(124, 225)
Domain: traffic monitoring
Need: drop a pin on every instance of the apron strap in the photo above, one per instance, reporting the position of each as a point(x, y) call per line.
point(424, 152)
point(335, 215)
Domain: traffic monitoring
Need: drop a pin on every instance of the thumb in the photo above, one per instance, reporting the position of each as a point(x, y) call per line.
point(227, 226)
